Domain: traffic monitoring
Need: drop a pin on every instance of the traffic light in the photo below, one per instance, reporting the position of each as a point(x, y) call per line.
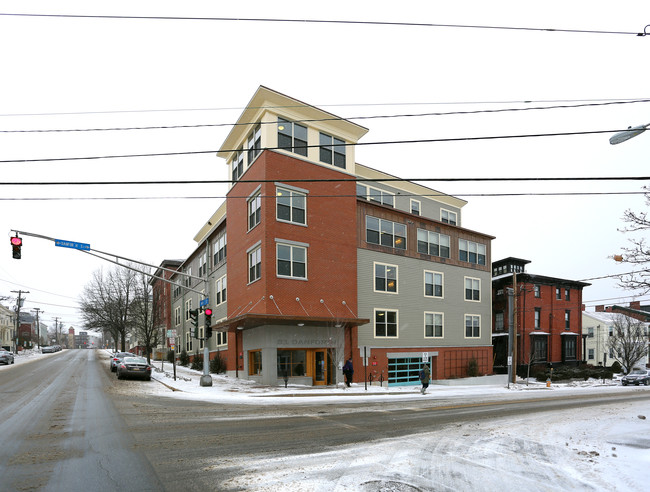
point(208, 322)
point(194, 315)
point(16, 244)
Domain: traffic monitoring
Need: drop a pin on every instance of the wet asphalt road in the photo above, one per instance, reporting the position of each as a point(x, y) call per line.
point(69, 424)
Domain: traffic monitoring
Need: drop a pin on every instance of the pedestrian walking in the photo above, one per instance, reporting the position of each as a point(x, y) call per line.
point(424, 378)
point(348, 371)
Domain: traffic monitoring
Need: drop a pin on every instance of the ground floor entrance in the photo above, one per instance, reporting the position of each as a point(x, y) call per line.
point(302, 364)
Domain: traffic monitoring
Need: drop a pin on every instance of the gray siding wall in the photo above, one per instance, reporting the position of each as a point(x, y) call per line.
point(411, 303)
point(429, 208)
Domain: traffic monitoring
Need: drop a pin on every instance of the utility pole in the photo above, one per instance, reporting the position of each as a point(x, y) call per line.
point(38, 328)
point(514, 345)
point(19, 304)
point(56, 329)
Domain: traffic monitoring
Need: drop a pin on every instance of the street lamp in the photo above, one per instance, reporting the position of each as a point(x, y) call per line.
point(628, 134)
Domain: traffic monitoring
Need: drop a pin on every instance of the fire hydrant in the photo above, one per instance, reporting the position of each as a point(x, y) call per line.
point(548, 382)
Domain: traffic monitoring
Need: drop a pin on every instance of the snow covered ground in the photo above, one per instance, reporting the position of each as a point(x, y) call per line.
point(603, 448)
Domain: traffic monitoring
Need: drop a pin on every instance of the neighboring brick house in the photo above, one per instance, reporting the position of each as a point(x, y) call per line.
point(634, 310)
point(548, 316)
point(332, 259)
point(162, 295)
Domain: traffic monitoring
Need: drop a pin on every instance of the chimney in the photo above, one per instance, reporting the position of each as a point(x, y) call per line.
point(600, 309)
point(635, 305)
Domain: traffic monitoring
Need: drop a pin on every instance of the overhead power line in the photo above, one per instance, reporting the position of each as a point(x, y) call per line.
point(326, 180)
point(406, 103)
point(386, 142)
point(331, 21)
point(215, 197)
point(333, 118)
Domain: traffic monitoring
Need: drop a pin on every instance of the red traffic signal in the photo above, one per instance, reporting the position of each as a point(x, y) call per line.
point(16, 244)
point(208, 312)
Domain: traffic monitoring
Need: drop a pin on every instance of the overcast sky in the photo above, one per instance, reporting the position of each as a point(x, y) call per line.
point(71, 73)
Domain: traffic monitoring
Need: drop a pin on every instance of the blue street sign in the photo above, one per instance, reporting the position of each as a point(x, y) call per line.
point(204, 302)
point(71, 244)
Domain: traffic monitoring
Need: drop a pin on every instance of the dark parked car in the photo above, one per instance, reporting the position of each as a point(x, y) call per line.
point(134, 367)
point(637, 377)
point(117, 357)
point(6, 357)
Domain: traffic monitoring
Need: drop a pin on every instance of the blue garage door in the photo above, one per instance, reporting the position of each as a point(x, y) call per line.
point(404, 371)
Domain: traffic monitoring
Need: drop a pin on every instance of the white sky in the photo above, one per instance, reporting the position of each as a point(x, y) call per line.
point(123, 72)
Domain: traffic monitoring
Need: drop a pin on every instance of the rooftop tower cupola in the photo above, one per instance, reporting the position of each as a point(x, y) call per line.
point(277, 122)
point(509, 266)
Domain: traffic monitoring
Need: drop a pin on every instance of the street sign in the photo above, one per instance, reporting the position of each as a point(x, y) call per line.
point(71, 244)
point(204, 302)
point(171, 333)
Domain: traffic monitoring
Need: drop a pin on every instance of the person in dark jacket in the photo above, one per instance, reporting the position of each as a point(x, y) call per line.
point(348, 371)
point(425, 373)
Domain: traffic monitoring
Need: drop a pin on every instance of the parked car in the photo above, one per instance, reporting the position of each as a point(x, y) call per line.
point(637, 377)
point(48, 349)
point(6, 357)
point(117, 357)
point(134, 367)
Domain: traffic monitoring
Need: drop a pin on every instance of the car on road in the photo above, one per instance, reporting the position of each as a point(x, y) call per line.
point(134, 367)
point(636, 377)
point(117, 357)
point(48, 349)
point(6, 357)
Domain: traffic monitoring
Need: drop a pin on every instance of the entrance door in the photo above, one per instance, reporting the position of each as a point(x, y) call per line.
point(320, 371)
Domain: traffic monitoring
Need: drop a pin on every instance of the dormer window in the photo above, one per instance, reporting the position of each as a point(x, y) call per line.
point(332, 150)
point(292, 137)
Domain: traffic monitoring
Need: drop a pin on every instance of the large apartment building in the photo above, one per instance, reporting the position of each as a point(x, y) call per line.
point(314, 258)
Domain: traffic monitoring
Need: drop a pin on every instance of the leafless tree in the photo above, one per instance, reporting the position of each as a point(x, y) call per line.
point(628, 341)
point(106, 302)
point(143, 313)
point(638, 254)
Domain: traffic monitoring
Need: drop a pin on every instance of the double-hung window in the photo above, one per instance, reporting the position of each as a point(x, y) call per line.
point(254, 144)
point(238, 165)
point(291, 206)
point(538, 318)
point(448, 217)
point(219, 249)
point(177, 316)
point(385, 323)
point(292, 260)
point(188, 308)
point(416, 207)
point(385, 233)
point(498, 321)
point(203, 264)
point(220, 289)
point(472, 289)
point(188, 341)
point(376, 195)
point(332, 150)
point(471, 252)
point(292, 137)
point(472, 326)
point(255, 264)
point(433, 243)
point(385, 278)
point(433, 284)
point(567, 320)
point(254, 210)
point(537, 290)
point(433, 325)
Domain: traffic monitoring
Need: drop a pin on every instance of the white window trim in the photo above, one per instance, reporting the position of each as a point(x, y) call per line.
point(449, 212)
point(248, 262)
point(419, 206)
point(291, 244)
point(374, 323)
point(465, 279)
point(292, 190)
point(374, 278)
point(188, 307)
point(480, 326)
point(424, 284)
point(434, 330)
point(178, 316)
point(223, 281)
